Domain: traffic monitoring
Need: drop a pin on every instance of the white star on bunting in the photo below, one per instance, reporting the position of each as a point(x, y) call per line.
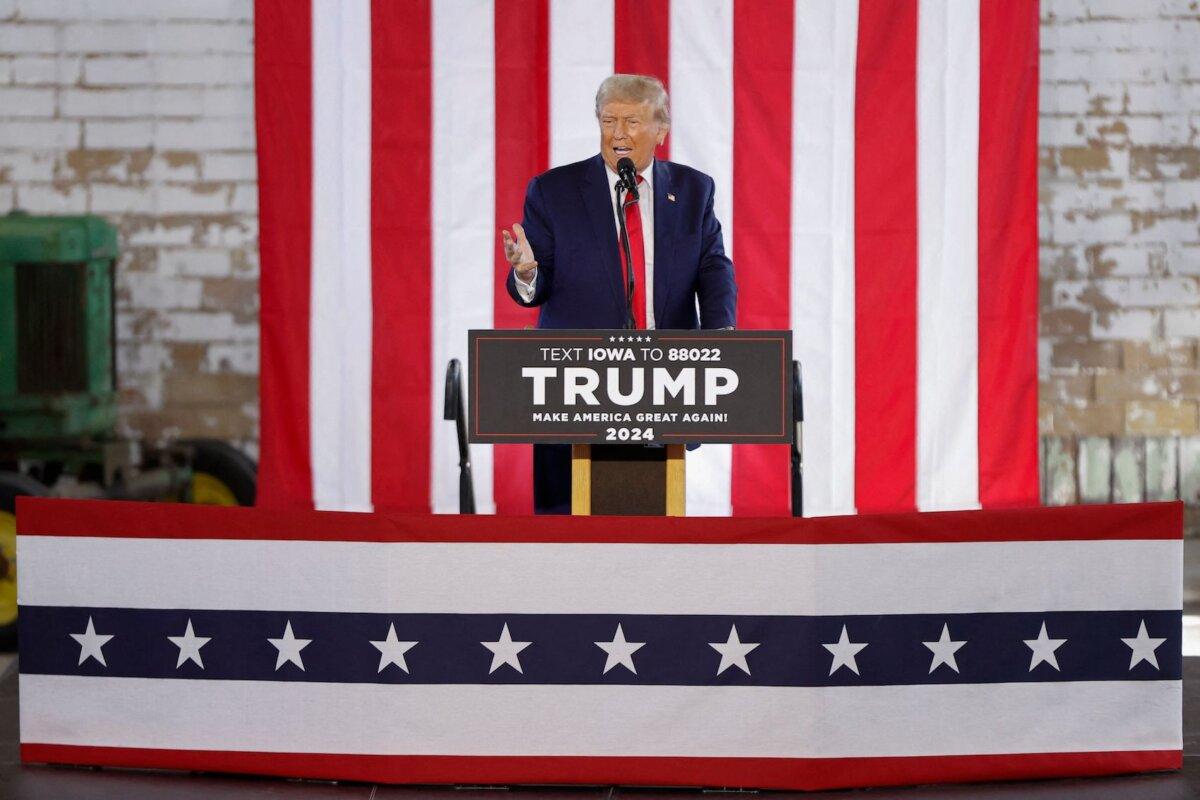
point(90, 644)
point(189, 646)
point(944, 650)
point(844, 652)
point(1143, 647)
point(289, 648)
point(620, 652)
point(505, 651)
point(733, 651)
point(392, 650)
point(1043, 649)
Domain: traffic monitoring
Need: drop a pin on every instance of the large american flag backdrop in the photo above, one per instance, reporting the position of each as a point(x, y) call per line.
point(841, 651)
point(875, 164)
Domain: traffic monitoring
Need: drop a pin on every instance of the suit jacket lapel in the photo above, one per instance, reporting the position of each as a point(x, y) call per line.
point(664, 238)
point(600, 205)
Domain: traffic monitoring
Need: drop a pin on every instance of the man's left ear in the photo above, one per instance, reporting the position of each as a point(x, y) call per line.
point(662, 134)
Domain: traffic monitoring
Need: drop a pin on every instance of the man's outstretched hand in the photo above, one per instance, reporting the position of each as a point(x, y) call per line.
point(518, 252)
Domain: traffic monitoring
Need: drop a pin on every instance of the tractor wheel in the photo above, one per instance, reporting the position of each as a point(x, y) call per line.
point(12, 486)
point(222, 475)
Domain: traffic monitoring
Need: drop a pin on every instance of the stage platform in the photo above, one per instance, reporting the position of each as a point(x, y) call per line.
point(68, 783)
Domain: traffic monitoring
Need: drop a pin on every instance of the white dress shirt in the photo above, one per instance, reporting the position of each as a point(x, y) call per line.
point(646, 207)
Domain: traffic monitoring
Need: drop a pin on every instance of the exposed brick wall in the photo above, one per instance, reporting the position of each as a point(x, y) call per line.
point(1120, 229)
point(1120, 251)
point(143, 112)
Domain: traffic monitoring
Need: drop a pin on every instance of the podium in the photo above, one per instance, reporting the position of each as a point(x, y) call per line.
point(628, 403)
point(628, 480)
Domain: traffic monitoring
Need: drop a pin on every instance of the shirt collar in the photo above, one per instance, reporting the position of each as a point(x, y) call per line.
point(647, 175)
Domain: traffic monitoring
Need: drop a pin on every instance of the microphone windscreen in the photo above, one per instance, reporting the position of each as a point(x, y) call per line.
point(625, 165)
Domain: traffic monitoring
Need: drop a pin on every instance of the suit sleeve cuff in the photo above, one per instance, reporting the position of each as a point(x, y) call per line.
point(524, 289)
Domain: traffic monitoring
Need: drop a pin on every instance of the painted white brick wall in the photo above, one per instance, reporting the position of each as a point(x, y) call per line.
point(1120, 224)
point(143, 112)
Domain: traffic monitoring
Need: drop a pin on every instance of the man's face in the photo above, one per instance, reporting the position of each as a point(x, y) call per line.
point(629, 130)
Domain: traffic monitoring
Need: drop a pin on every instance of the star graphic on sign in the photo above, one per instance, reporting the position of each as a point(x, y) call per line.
point(944, 650)
point(289, 648)
point(733, 651)
point(392, 650)
point(620, 652)
point(189, 646)
point(844, 652)
point(505, 651)
point(90, 644)
point(612, 338)
point(1043, 649)
point(1143, 647)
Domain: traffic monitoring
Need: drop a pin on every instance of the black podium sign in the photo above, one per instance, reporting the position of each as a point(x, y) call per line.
point(599, 386)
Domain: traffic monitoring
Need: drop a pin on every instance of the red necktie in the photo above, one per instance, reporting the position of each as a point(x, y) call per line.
point(637, 251)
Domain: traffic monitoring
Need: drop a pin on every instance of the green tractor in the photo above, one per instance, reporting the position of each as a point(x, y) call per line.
point(58, 391)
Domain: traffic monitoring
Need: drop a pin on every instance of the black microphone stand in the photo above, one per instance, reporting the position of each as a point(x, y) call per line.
point(630, 285)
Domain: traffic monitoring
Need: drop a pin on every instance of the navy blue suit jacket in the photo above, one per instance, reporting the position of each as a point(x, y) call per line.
point(570, 226)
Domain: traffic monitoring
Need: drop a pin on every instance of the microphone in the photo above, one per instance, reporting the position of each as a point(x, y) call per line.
point(628, 176)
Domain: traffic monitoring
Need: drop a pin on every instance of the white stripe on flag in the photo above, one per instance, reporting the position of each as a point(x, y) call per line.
point(822, 256)
point(581, 56)
point(701, 70)
point(340, 326)
point(415, 577)
point(947, 204)
point(515, 720)
point(463, 199)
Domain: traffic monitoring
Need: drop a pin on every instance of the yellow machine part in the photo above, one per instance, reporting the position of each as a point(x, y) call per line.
point(209, 490)
point(8, 568)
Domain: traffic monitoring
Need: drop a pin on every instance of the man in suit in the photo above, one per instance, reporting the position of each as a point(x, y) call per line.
point(565, 257)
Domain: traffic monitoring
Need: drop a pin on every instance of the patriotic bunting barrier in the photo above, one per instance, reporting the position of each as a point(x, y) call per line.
point(836, 652)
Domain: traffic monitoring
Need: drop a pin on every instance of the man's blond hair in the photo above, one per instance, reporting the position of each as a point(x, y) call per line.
point(635, 89)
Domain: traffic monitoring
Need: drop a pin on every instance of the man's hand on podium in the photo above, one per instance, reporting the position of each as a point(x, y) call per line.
point(519, 253)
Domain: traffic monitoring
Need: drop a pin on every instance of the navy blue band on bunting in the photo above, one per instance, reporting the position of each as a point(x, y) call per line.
point(562, 649)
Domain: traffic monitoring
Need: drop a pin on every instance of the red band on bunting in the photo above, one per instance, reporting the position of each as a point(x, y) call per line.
point(885, 293)
point(110, 518)
point(1008, 254)
point(401, 253)
point(283, 67)
point(762, 181)
point(766, 773)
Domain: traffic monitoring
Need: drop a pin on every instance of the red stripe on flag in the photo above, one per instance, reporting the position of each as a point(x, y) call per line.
point(762, 179)
point(1008, 255)
point(767, 773)
point(885, 188)
point(283, 71)
point(522, 31)
point(401, 120)
point(642, 44)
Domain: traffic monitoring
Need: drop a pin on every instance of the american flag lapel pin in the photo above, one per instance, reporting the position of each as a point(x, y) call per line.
point(671, 197)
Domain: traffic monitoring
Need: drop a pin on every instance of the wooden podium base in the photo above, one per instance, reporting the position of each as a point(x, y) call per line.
point(631, 480)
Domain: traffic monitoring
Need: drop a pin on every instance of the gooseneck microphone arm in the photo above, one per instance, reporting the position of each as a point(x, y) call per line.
point(630, 285)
